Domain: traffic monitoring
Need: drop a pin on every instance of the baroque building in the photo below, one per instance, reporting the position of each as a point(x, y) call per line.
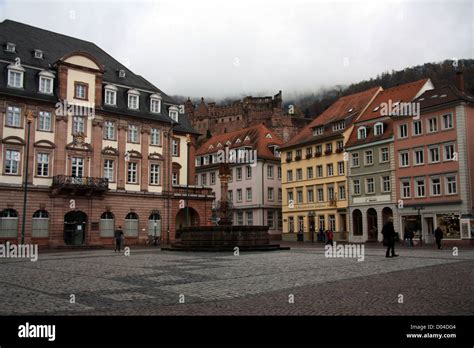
point(102, 147)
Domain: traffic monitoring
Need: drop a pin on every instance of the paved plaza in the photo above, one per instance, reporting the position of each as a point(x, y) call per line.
point(301, 281)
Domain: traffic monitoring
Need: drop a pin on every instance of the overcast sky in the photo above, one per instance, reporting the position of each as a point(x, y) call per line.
point(243, 47)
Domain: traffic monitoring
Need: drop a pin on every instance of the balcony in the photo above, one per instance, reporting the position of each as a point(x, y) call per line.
point(64, 184)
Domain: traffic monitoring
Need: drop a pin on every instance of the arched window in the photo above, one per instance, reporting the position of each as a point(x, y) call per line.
point(357, 222)
point(9, 223)
point(107, 224)
point(154, 224)
point(131, 225)
point(40, 224)
point(361, 132)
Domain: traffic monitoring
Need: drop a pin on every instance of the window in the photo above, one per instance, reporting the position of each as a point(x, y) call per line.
point(175, 178)
point(12, 162)
point(248, 194)
point(10, 47)
point(174, 115)
point(386, 185)
point(451, 187)
point(270, 219)
point(110, 97)
point(46, 85)
point(328, 148)
point(378, 128)
point(239, 173)
point(448, 121)
point(434, 154)
point(175, 147)
point(15, 78)
point(298, 154)
point(405, 189)
point(155, 174)
point(279, 173)
point(290, 196)
point(77, 167)
point(42, 164)
point(249, 218)
point(299, 196)
point(420, 187)
point(38, 54)
point(40, 224)
point(319, 171)
point(240, 218)
point(432, 125)
point(309, 151)
point(318, 130)
point(289, 175)
point(384, 155)
point(291, 224)
point(109, 130)
point(289, 156)
point(369, 157)
point(204, 179)
point(330, 169)
point(356, 186)
point(269, 171)
point(340, 168)
point(332, 222)
point(320, 192)
point(417, 129)
point(361, 133)
point(309, 173)
point(322, 224)
point(212, 178)
point(279, 195)
point(155, 105)
point(435, 186)
point(419, 156)
point(342, 192)
point(338, 126)
point(230, 196)
point(299, 174)
point(402, 131)
point(355, 159)
point(13, 116)
point(404, 162)
point(310, 194)
point(44, 121)
point(132, 173)
point(80, 90)
point(248, 172)
point(78, 125)
point(331, 193)
point(449, 152)
point(133, 102)
point(270, 193)
point(370, 185)
point(131, 224)
point(132, 133)
point(109, 169)
point(239, 195)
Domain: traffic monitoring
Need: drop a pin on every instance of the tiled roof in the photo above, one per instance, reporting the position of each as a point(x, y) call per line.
point(258, 137)
point(371, 137)
point(345, 108)
point(442, 95)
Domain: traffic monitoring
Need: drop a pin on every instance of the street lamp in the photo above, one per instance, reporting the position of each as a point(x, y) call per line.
point(312, 225)
point(188, 143)
point(420, 223)
point(29, 120)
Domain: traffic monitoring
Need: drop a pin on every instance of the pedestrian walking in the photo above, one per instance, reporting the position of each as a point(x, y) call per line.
point(389, 236)
point(329, 237)
point(439, 236)
point(411, 235)
point(118, 236)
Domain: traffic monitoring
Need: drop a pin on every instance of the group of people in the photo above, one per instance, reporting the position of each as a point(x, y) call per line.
point(326, 236)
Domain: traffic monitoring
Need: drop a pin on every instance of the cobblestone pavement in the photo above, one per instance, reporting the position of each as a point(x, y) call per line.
point(150, 281)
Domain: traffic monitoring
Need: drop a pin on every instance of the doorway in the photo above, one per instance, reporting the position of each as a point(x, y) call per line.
point(75, 227)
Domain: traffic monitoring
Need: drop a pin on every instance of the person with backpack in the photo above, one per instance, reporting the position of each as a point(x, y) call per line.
point(389, 236)
point(438, 236)
point(118, 236)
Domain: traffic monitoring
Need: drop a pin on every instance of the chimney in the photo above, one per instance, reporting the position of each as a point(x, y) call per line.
point(460, 81)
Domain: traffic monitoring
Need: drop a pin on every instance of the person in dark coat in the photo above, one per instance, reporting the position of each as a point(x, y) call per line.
point(388, 232)
point(118, 236)
point(438, 236)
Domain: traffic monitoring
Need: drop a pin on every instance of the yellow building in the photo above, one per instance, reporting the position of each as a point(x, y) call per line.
point(314, 171)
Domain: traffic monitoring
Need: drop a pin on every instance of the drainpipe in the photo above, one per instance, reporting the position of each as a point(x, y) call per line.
point(263, 192)
point(170, 180)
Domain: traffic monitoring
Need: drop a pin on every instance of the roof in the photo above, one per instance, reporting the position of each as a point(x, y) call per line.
point(259, 138)
point(371, 137)
point(402, 93)
point(56, 46)
point(442, 95)
point(346, 108)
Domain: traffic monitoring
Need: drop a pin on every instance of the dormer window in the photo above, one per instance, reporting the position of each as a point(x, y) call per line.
point(362, 133)
point(173, 113)
point(247, 138)
point(133, 99)
point(378, 128)
point(228, 143)
point(81, 90)
point(10, 47)
point(46, 82)
point(238, 141)
point(110, 95)
point(15, 75)
point(338, 126)
point(268, 136)
point(318, 130)
point(122, 73)
point(155, 103)
point(38, 54)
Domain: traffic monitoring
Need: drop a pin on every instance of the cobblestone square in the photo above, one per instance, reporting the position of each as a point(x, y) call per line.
point(301, 281)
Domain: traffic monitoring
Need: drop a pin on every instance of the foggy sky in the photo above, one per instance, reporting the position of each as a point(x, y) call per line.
point(227, 48)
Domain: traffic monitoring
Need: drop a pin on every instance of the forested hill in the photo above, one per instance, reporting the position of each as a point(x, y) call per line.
point(440, 74)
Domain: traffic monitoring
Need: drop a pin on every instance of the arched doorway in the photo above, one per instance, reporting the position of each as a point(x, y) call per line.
point(357, 222)
point(372, 228)
point(75, 223)
point(181, 218)
point(387, 214)
point(107, 224)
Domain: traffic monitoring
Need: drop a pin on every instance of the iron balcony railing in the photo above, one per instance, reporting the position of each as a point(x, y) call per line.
point(74, 182)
